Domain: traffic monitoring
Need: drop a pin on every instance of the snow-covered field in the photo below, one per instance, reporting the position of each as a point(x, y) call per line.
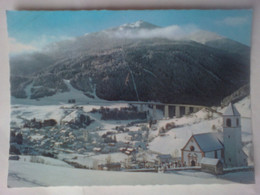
point(26, 174)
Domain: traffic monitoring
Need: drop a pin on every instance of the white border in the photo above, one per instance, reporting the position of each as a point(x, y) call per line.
point(130, 4)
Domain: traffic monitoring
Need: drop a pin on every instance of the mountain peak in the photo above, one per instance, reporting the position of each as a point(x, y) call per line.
point(140, 24)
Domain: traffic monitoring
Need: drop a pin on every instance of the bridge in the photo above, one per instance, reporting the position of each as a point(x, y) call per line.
point(177, 110)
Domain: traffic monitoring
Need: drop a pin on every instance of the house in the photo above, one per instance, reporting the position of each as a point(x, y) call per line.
point(211, 165)
point(202, 145)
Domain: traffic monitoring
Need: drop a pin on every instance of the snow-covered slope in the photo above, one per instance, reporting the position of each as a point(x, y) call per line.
point(57, 99)
point(43, 160)
point(45, 175)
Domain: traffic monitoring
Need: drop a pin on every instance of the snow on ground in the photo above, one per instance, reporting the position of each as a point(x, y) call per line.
point(178, 137)
point(244, 107)
point(25, 174)
point(122, 137)
point(42, 160)
point(115, 157)
point(20, 112)
point(90, 159)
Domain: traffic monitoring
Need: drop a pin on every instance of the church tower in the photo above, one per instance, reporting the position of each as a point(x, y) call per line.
point(233, 153)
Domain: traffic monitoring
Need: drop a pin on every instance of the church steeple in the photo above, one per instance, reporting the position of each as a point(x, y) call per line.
point(231, 117)
point(234, 155)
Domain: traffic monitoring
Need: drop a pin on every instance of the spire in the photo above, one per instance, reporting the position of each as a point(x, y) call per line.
point(231, 111)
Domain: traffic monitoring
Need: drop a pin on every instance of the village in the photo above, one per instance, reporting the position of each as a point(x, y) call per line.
point(123, 138)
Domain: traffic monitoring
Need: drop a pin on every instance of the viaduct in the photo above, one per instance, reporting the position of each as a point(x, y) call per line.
point(177, 109)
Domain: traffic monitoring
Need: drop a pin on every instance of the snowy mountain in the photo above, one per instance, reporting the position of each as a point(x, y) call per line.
point(137, 61)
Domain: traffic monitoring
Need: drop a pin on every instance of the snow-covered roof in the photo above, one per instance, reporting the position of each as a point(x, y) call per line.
point(231, 111)
point(209, 141)
point(209, 161)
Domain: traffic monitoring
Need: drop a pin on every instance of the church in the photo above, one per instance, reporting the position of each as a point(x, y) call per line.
point(226, 146)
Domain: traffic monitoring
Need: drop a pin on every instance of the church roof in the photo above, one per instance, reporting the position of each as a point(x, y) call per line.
point(209, 141)
point(231, 111)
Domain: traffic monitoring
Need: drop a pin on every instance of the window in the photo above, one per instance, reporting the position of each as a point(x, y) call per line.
point(237, 122)
point(228, 122)
point(192, 148)
point(216, 154)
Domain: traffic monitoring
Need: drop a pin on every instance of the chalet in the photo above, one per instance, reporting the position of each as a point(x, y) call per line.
point(202, 145)
point(211, 165)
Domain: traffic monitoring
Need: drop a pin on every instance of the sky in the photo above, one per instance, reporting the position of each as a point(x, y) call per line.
point(30, 31)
